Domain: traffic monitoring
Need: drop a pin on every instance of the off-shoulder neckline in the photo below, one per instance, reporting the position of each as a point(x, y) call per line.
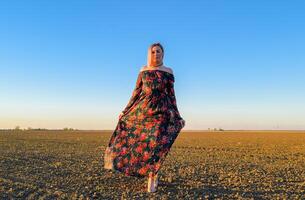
point(157, 70)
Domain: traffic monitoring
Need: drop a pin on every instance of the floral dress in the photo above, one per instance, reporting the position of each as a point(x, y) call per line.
point(146, 131)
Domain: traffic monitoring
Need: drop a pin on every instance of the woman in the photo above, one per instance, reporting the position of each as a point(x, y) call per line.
point(149, 124)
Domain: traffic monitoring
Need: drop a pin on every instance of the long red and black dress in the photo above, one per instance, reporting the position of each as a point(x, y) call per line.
point(146, 132)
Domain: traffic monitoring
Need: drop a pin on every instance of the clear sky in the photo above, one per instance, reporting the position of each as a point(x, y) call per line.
point(238, 64)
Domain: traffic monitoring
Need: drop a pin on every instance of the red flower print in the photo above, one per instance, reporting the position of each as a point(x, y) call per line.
point(143, 137)
point(123, 133)
point(125, 160)
point(124, 151)
point(133, 117)
point(118, 145)
point(144, 145)
point(133, 160)
point(171, 129)
point(147, 90)
point(120, 164)
point(150, 112)
point(150, 78)
point(139, 149)
point(141, 117)
point(144, 104)
point(146, 156)
point(143, 170)
point(149, 125)
point(164, 140)
point(156, 133)
point(137, 131)
point(127, 171)
point(123, 142)
point(128, 124)
point(151, 167)
point(156, 120)
point(157, 166)
point(152, 144)
point(131, 141)
point(161, 153)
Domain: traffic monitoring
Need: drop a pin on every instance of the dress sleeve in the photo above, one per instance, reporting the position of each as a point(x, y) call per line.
point(172, 97)
point(135, 94)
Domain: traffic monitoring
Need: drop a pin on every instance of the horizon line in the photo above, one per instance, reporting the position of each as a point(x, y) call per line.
point(188, 130)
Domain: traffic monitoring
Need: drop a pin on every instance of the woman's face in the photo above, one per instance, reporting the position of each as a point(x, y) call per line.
point(156, 55)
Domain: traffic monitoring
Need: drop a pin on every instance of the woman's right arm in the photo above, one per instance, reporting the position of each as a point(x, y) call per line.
point(135, 94)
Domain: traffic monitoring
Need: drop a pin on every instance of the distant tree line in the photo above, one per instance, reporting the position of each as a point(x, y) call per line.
point(17, 128)
point(215, 129)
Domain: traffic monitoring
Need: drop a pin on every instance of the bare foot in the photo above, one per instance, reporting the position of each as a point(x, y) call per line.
point(152, 183)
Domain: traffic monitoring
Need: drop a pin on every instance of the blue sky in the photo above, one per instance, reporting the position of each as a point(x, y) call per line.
point(238, 64)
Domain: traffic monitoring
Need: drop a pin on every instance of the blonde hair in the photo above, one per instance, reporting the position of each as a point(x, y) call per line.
point(157, 44)
point(149, 52)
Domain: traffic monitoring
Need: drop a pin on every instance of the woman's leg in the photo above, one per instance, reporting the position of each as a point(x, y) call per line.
point(156, 177)
point(152, 182)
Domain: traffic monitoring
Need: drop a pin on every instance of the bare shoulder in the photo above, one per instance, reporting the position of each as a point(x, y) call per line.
point(167, 69)
point(143, 68)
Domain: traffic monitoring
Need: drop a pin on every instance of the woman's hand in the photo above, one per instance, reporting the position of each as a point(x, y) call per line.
point(121, 114)
point(172, 115)
point(182, 122)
